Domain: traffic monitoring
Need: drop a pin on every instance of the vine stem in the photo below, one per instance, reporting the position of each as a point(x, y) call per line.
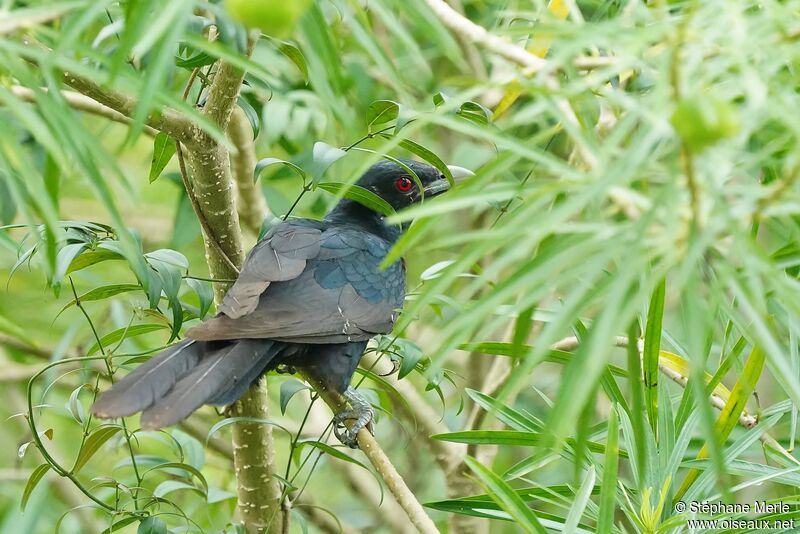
point(110, 370)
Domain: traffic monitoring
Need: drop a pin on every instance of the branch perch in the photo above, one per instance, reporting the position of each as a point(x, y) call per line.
point(81, 102)
point(374, 453)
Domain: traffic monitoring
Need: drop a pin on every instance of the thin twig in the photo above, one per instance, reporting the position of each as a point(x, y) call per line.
point(516, 54)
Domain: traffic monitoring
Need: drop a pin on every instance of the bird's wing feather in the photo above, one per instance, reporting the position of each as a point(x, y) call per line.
point(342, 295)
point(281, 255)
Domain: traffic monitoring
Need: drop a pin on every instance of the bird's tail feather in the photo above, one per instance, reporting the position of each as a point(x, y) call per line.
point(170, 386)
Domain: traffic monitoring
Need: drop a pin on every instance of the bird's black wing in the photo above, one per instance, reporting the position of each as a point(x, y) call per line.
point(340, 296)
point(280, 255)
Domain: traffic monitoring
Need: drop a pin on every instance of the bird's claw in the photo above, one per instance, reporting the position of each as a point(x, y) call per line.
point(360, 414)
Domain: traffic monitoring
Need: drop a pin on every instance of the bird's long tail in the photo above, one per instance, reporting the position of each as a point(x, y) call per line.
point(170, 386)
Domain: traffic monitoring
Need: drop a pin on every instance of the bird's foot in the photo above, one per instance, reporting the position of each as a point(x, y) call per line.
point(283, 369)
point(360, 414)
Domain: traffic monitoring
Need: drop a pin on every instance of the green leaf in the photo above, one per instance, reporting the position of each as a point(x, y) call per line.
point(506, 497)
point(163, 150)
point(176, 467)
point(650, 354)
point(289, 388)
point(296, 56)
point(505, 414)
point(428, 156)
point(33, 480)
point(331, 451)
point(581, 500)
point(114, 337)
point(168, 486)
point(251, 114)
point(363, 196)
point(204, 292)
point(93, 443)
point(729, 416)
point(608, 490)
point(324, 155)
point(102, 293)
point(92, 257)
point(475, 112)
point(121, 524)
point(381, 112)
point(74, 405)
point(64, 260)
point(411, 355)
point(201, 59)
point(153, 525)
point(266, 162)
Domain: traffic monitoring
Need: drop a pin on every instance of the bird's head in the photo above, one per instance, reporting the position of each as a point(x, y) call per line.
point(394, 184)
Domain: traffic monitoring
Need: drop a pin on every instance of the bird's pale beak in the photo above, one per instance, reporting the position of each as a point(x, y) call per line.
point(459, 173)
point(442, 185)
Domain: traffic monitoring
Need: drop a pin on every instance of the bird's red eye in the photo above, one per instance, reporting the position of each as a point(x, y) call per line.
point(403, 184)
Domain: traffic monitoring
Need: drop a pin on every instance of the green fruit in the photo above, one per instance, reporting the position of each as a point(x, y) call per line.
point(276, 18)
point(703, 120)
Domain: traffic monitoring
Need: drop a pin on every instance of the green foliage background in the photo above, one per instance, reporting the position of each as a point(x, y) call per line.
point(668, 210)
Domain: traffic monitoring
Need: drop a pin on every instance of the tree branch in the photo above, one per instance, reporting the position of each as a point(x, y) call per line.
point(164, 119)
point(81, 102)
point(249, 199)
point(419, 412)
point(374, 453)
point(253, 449)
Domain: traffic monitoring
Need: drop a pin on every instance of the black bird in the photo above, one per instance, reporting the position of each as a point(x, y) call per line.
point(310, 296)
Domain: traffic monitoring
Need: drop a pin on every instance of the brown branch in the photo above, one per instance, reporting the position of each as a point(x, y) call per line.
point(164, 119)
point(323, 520)
point(81, 102)
point(416, 410)
point(249, 200)
point(377, 457)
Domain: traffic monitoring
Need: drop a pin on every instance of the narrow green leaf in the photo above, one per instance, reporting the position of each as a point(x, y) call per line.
point(92, 257)
point(102, 293)
point(266, 162)
point(331, 451)
point(120, 524)
point(204, 292)
point(650, 353)
point(506, 497)
point(114, 337)
point(251, 114)
point(505, 414)
point(289, 388)
point(64, 260)
point(638, 409)
point(580, 502)
point(472, 111)
point(359, 194)
point(93, 444)
point(171, 467)
point(411, 355)
point(296, 56)
point(608, 490)
point(729, 416)
point(33, 480)
point(163, 150)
